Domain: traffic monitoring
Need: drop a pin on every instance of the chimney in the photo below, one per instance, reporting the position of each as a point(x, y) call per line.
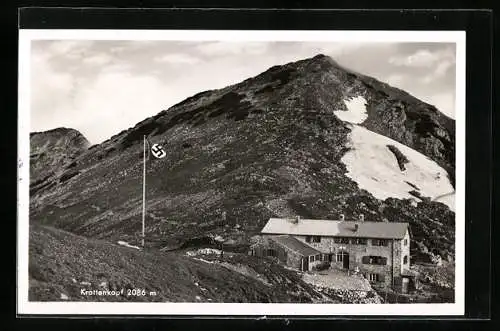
point(342, 218)
point(361, 218)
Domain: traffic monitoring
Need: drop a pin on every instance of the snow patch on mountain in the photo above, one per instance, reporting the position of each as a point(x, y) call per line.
point(374, 168)
point(356, 110)
point(448, 200)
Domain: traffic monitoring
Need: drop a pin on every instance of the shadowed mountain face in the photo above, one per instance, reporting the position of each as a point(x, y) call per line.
point(268, 146)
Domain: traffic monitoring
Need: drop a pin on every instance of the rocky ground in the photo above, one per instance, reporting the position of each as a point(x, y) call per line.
point(342, 287)
point(62, 265)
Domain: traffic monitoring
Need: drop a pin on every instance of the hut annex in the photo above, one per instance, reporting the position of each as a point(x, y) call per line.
point(378, 250)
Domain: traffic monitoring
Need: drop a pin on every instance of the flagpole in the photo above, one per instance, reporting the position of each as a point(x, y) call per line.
point(144, 191)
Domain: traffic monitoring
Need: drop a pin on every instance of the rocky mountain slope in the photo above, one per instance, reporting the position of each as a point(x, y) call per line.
point(51, 152)
point(277, 144)
point(62, 265)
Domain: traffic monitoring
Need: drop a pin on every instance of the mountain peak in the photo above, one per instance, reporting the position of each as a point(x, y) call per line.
point(322, 58)
point(57, 131)
point(52, 150)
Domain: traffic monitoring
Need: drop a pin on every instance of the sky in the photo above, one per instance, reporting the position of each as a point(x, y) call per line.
point(103, 87)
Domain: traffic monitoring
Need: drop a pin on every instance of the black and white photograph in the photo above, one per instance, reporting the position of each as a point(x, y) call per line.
point(242, 172)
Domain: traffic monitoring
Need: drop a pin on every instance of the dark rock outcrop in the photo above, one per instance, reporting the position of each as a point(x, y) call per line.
point(52, 153)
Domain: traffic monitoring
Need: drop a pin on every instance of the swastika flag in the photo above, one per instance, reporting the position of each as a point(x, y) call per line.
point(156, 150)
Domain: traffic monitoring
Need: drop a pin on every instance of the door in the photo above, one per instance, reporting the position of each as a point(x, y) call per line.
point(345, 260)
point(305, 263)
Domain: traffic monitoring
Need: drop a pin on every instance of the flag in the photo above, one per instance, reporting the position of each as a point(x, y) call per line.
point(155, 149)
point(158, 151)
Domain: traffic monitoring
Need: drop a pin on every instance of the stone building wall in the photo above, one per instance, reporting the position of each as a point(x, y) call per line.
point(400, 251)
point(356, 253)
point(405, 250)
point(398, 259)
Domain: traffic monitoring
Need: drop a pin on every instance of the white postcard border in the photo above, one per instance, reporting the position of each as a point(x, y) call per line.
point(254, 309)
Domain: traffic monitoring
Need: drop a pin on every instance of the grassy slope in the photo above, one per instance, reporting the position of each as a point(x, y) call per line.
point(60, 262)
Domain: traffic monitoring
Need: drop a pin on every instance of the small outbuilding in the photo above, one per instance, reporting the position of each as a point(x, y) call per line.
point(287, 250)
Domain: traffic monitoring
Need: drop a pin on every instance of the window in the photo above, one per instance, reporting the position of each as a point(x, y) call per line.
point(377, 260)
point(311, 258)
point(316, 239)
point(341, 240)
point(308, 239)
point(359, 241)
point(379, 242)
point(405, 259)
point(344, 240)
point(373, 277)
point(271, 252)
point(406, 242)
point(318, 257)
